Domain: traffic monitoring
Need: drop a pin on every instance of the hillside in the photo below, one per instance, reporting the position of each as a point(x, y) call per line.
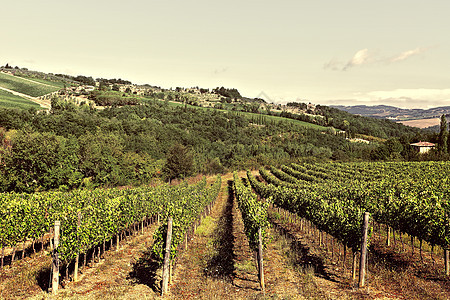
point(395, 113)
point(9, 100)
point(26, 86)
point(112, 132)
point(24, 89)
point(101, 93)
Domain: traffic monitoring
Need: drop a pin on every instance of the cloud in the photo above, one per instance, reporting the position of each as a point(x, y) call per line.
point(365, 57)
point(333, 64)
point(219, 71)
point(406, 54)
point(360, 58)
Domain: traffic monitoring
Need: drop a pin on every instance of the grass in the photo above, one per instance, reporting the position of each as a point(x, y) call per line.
point(246, 266)
point(206, 227)
point(8, 100)
point(306, 272)
point(58, 85)
point(25, 87)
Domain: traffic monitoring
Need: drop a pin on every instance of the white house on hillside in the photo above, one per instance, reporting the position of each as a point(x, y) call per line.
point(423, 147)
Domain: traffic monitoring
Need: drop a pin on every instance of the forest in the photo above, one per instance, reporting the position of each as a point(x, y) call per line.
point(73, 146)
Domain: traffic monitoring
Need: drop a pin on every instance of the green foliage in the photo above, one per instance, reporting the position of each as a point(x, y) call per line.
point(382, 128)
point(254, 212)
point(184, 204)
point(230, 93)
point(443, 136)
point(104, 97)
point(409, 197)
point(40, 161)
point(8, 100)
point(330, 211)
point(178, 162)
point(122, 145)
point(103, 214)
point(100, 156)
point(85, 80)
point(26, 87)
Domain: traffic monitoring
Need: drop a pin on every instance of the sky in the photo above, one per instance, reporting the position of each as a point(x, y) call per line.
point(348, 52)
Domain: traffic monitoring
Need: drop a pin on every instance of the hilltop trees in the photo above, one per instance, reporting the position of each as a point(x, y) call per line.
point(231, 93)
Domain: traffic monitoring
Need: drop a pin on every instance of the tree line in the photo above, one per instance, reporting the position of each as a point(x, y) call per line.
point(73, 146)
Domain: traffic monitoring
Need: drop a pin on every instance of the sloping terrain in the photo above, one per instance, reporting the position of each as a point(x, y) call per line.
point(22, 92)
point(26, 86)
point(385, 111)
point(9, 100)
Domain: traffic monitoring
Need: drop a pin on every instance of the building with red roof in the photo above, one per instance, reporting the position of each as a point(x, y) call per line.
point(423, 147)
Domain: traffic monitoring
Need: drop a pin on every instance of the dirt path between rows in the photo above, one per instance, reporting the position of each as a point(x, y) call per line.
point(220, 265)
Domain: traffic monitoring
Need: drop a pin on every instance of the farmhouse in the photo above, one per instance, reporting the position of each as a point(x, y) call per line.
point(423, 147)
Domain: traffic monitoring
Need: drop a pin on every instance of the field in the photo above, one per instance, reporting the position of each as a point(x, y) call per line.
point(27, 87)
point(305, 255)
point(8, 100)
point(422, 123)
point(58, 85)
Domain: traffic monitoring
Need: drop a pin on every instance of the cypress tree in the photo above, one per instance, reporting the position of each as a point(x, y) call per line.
point(443, 136)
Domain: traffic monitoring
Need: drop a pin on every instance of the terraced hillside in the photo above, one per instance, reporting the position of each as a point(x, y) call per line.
point(23, 92)
point(9, 100)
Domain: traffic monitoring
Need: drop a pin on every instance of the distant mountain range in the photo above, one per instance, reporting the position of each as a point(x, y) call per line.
point(394, 113)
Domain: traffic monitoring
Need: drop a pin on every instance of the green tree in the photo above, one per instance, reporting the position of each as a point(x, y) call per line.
point(394, 148)
point(100, 157)
point(443, 136)
point(179, 162)
point(41, 161)
point(346, 125)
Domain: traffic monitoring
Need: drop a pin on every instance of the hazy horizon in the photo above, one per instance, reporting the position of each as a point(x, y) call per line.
point(348, 53)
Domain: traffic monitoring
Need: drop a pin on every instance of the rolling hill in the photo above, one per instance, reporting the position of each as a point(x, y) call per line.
point(395, 113)
point(24, 92)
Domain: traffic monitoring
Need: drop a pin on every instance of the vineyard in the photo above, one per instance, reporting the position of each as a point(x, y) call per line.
point(313, 213)
point(406, 197)
point(21, 85)
point(9, 100)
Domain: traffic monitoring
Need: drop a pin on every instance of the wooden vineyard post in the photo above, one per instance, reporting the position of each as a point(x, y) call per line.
point(362, 264)
point(446, 262)
point(77, 258)
point(388, 239)
point(166, 266)
point(260, 261)
point(355, 255)
point(55, 259)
